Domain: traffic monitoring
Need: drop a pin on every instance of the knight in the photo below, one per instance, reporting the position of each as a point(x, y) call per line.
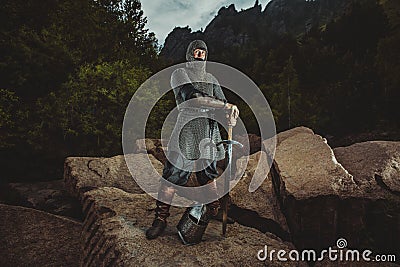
point(197, 93)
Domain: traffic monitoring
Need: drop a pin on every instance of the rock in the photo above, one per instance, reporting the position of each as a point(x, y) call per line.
point(254, 142)
point(35, 238)
point(282, 136)
point(49, 196)
point(308, 189)
point(375, 166)
point(83, 173)
point(303, 176)
point(144, 145)
point(323, 200)
point(317, 194)
point(259, 209)
point(114, 234)
point(153, 147)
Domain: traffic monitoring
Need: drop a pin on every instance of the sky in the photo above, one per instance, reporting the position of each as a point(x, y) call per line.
point(164, 15)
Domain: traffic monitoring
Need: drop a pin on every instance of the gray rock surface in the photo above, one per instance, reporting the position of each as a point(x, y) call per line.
point(35, 238)
point(282, 136)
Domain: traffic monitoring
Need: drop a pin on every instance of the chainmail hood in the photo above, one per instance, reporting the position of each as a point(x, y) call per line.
point(193, 63)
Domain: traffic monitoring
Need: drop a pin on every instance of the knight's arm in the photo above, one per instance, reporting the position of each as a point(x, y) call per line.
point(201, 99)
point(218, 99)
point(184, 89)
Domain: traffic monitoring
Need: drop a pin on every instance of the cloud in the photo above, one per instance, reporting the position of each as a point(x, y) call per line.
point(164, 15)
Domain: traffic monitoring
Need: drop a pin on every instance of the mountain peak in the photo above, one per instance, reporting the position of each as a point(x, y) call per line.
point(231, 9)
point(232, 28)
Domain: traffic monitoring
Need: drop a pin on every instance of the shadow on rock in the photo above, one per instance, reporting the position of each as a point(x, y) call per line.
point(252, 219)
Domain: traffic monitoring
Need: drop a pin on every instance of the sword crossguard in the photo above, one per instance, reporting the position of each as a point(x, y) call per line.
point(230, 142)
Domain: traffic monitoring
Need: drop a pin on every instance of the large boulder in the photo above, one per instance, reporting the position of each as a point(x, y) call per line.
point(317, 194)
point(35, 238)
point(84, 173)
point(114, 234)
point(308, 182)
point(308, 168)
point(375, 166)
point(310, 185)
point(323, 197)
point(282, 136)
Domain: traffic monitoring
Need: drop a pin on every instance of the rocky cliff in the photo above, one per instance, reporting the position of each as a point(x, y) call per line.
point(231, 28)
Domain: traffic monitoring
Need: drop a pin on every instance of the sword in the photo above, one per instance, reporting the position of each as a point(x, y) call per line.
point(226, 182)
point(228, 177)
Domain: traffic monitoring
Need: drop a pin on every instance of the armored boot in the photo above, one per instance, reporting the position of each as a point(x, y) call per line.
point(165, 194)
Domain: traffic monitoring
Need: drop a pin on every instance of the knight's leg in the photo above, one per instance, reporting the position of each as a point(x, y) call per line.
point(166, 194)
point(163, 204)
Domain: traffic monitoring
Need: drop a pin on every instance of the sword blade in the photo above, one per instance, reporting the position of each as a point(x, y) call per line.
point(227, 179)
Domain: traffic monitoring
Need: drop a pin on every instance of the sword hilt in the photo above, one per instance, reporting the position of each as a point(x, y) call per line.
point(230, 132)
